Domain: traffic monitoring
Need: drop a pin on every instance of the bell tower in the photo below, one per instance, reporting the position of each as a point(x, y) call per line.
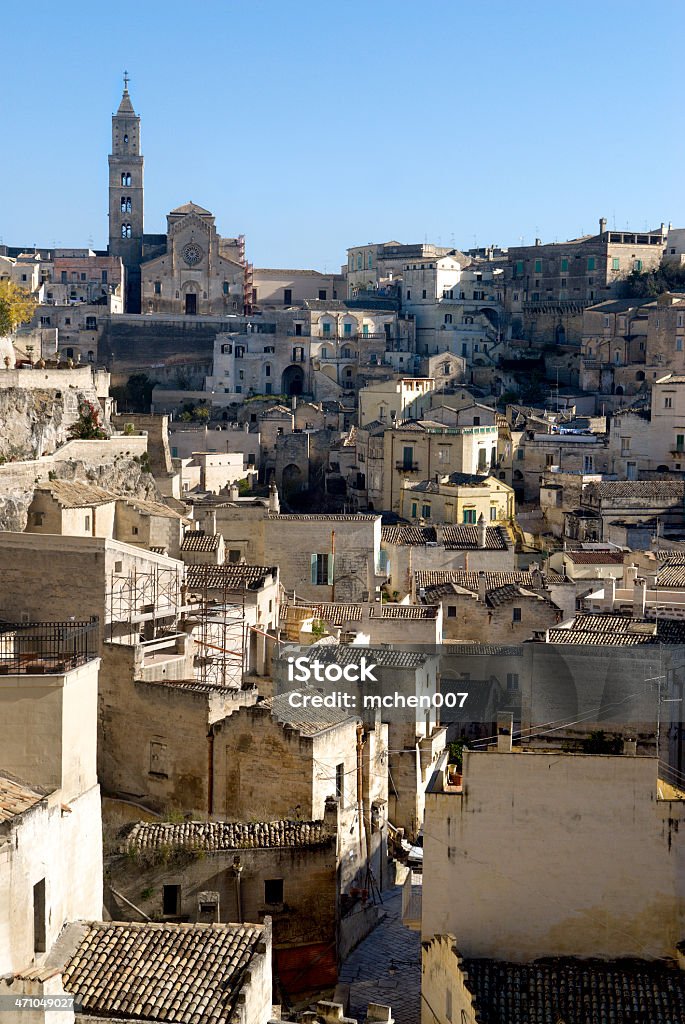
point(126, 196)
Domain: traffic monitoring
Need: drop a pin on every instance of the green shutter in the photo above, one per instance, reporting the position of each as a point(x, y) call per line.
point(330, 570)
point(313, 564)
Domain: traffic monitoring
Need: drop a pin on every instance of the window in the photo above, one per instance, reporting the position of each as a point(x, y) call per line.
point(298, 355)
point(637, 265)
point(443, 454)
point(424, 294)
point(679, 344)
point(538, 266)
point(426, 511)
point(359, 261)
point(365, 330)
point(476, 421)
point(588, 464)
point(625, 445)
point(45, 321)
point(326, 329)
point(668, 402)
point(239, 351)
point(233, 555)
point(407, 457)
point(322, 294)
point(125, 178)
point(513, 679)
point(273, 891)
point(125, 230)
point(340, 782)
point(86, 523)
point(125, 204)
point(516, 615)
point(448, 318)
point(287, 296)
point(171, 900)
point(158, 758)
point(564, 265)
point(158, 287)
point(591, 263)
point(493, 513)
point(91, 323)
point(134, 531)
point(680, 442)
point(615, 263)
point(322, 570)
point(267, 370)
point(408, 293)
point(413, 510)
point(347, 330)
point(39, 933)
point(369, 262)
point(451, 611)
point(518, 270)
point(469, 515)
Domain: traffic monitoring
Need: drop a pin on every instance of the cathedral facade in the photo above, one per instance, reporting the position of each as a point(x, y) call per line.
point(191, 270)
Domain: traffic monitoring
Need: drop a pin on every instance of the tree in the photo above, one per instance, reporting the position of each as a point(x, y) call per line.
point(16, 306)
point(201, 413)
point(88, 426)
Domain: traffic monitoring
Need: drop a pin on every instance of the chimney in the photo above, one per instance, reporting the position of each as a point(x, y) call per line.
point(274, 503)
point(602, 225)
point(233, 492)
point(629, 576)
point(630, 746)
point(639, 598)
point(482, 586)
point(538, 241)
point(482, 531)
point(609, 594)
point(505, 732)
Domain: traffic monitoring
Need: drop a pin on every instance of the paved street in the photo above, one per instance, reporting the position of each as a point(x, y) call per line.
point(367, 969)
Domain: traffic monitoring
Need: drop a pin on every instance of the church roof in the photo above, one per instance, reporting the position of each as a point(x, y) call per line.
point(192, 208)
point(126, 107)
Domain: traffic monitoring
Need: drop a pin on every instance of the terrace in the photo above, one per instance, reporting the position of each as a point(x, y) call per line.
point(47, 648)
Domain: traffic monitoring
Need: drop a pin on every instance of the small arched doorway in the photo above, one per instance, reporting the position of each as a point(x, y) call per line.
point(292, 380)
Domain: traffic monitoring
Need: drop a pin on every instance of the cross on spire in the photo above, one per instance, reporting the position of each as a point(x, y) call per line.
point(126, 81)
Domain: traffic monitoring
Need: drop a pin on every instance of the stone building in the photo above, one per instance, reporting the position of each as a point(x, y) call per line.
point(548, 286)
point(412, 549)
point(322, 557)
point(621, 857)
point(560, 592)
point(612, 503)
point(154, 716)
point(458, 498)
point(503, 613)
point(403, 399)
point(415, 450)
point(273, 288)
point(50, 831)
point(376, 267)
point(379, 623)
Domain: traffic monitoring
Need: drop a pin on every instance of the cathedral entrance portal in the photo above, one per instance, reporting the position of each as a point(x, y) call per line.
point(191, 304)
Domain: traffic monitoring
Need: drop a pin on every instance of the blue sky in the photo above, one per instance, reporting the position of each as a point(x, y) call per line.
point(311, 126)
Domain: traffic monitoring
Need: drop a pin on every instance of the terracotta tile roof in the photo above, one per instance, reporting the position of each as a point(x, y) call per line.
point(307, 720)
point(16, 797)
point(232, 575)
point(198, 540)
point(404, 611)
point(323, 517)
point(153, 508)
point(214, 836)
point(671, 573)
point(162, 972)
point(73, 494)
point(465, 538)
point(575, 991)
point(499, 596)
point(469, 580)
point(595, 557)
point(658, 490)
point(619, 631)
point(338, 614)
point(454, 538)
point(384, 657)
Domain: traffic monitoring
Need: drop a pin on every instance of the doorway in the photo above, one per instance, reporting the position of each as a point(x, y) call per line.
point(191, 304)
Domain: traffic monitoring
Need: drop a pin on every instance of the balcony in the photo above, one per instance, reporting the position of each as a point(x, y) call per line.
point(407, 467)
point(46, 647)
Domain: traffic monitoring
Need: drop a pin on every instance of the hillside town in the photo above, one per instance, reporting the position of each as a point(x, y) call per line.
point(452, 481)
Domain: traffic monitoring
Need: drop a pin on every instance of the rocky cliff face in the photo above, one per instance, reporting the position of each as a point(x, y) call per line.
point(34, 422)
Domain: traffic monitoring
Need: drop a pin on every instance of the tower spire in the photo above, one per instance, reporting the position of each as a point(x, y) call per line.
point(126, 81)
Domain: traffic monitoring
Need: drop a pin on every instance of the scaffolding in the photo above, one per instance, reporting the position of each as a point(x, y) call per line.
point(143, 604)
point(219, 629)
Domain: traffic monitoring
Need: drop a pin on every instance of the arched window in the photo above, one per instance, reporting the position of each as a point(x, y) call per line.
point(125, 204)
point(619, 390)
point(126, 138)
point(125, 230)
point(640, 375)
point(125, 178)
